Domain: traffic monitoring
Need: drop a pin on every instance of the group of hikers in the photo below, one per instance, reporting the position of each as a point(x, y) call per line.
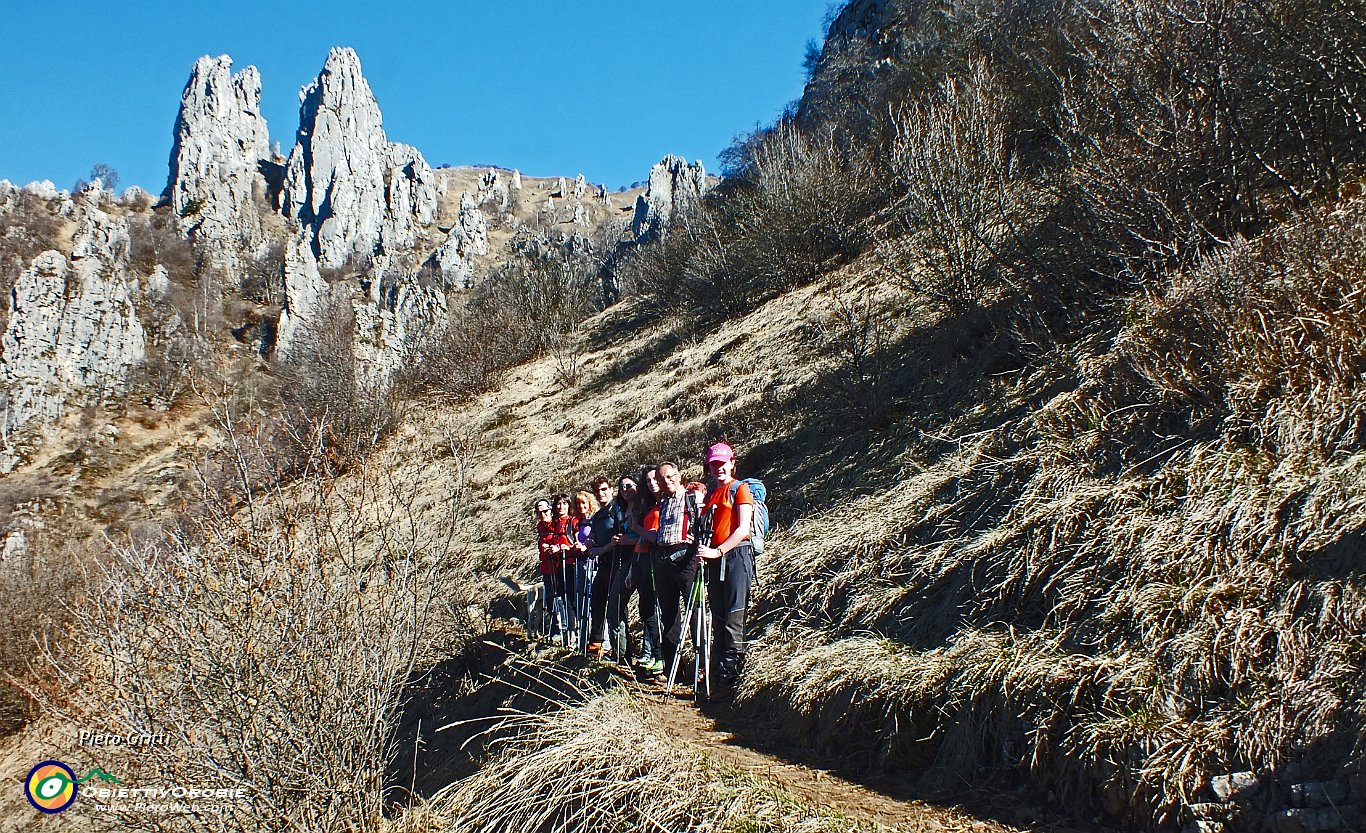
point(649, 536)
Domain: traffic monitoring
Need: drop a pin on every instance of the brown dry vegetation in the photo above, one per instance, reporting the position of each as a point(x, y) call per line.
point(605, 765)
point(1084, 511)
point(1045, 332)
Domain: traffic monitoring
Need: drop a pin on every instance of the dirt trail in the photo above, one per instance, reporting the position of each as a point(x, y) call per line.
point(818, 787)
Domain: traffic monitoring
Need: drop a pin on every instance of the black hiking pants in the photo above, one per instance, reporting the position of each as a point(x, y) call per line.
point(673, 582)
point(729, 600)
point(645, 583)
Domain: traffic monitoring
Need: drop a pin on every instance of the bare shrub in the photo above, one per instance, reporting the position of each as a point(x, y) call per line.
point(1195, 120)
point(260, 282)
point(37, 586)
point(525, 308)
point(957, 209)
point(324, 385)
point(268, 640)
point(859, 333)
point(797, 208)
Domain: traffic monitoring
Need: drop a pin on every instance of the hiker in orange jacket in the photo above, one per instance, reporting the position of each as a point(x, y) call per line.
point(728, 560)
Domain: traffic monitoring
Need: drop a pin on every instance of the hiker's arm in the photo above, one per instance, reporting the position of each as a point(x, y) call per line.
point(648, 535)
point(744, 512)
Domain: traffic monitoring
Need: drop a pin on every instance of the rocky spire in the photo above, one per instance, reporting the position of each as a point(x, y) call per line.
point(304, 293)
point(339, 180)
point(73, 335)
point(220, 142)
point(675, 189)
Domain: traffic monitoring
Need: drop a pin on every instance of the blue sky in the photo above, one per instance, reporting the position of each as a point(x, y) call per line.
point(601, 87)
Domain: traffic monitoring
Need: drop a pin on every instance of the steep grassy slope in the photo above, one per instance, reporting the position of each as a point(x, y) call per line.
point(1113, 572)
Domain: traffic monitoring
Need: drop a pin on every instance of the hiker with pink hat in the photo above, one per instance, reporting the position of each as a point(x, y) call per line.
point(728, 559)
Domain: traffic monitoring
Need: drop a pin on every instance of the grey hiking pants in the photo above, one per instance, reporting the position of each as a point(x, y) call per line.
point(729, 600)
point(632, 575)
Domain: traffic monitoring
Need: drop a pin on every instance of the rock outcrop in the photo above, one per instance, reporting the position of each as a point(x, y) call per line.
point(410, 199)
point(304, 292)
point(580, 187)
point(516, 180)
point(676, 188)
point(390, 324)
point(44, 189)
point(492, 191)
point(221, 140)
point(136, 198)
point(454, 259)
point(355, 193)
point(73, 334)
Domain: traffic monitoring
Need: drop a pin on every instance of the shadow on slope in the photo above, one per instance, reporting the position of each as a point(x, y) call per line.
point(452, 711)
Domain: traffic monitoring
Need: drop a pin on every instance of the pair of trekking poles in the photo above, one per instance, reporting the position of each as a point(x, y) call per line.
point(697, 615)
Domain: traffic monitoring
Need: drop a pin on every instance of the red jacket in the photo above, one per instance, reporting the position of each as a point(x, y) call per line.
point(553, 541)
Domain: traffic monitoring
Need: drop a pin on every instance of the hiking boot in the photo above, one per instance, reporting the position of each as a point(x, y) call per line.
point(656, 667)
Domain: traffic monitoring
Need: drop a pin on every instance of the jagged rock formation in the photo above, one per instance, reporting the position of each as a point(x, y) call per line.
point(861, 46)
point(454, 259)
point(603, 196)
point(863, 19)
point(561, 189)
point(580, 187)
point(73, 334)
point(46, 190)
point(493, 191)
point(390, 323)
point(356, 194)
point(304, 291)
point(410, 199)
point(675, 189)
point(516, 180)
point(221, 141)
point(135, 197)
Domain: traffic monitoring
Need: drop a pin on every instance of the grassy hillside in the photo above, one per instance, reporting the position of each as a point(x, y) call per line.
point(1043, 323)
point(1048, 344)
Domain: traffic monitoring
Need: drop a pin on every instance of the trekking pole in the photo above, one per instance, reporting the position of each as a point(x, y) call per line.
point(564, 600)
point(678, 649)
point(613, 597)
point(590, 573)
point(699, 646)
point(702, 647)
point(659, 622)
